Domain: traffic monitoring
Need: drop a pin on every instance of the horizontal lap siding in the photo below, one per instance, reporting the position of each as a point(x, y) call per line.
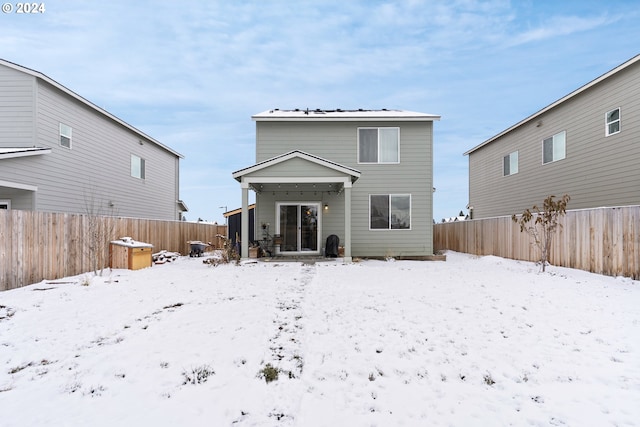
point(337, 142)
point(97, 168)
point(597, 171)
point(98, 164)
point(604, 241)
point(16, 109)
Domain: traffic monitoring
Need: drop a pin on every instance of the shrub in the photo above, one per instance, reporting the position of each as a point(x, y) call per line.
point(542, 225)
point(227, 254)
point(269, 373)
point(488, 379)
point(197, 375)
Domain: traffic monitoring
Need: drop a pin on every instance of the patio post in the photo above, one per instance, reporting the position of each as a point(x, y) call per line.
point(347, 221)
point(244, 220)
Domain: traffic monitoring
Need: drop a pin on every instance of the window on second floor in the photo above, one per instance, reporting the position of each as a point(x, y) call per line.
point(554, 148)
point(510, 164)
point(612, 122)
point(65, 135)
point(137, 167)
point(379, 145)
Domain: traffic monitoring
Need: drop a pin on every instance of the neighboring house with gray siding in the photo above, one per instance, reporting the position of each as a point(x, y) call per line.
point(61, 153)
point(363, 175)
point(586, 144)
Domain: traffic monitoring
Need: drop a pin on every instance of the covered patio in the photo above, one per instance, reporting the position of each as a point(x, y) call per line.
point(305, 196)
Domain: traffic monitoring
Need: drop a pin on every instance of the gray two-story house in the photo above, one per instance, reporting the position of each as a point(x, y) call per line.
point(365, 176)
point(61, 153)
point(586, 145)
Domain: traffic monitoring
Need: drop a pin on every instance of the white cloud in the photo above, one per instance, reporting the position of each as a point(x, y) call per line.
point(560, 26)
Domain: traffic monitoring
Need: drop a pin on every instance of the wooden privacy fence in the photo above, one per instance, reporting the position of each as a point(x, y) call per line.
point(603, 240)
point(41, 245)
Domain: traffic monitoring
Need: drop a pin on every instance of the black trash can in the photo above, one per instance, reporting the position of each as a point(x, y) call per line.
point(331, 248)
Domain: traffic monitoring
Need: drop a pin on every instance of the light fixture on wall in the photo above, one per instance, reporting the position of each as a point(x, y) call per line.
point(326, 206)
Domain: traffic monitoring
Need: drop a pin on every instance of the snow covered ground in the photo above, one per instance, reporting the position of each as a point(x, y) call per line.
point(469, 341)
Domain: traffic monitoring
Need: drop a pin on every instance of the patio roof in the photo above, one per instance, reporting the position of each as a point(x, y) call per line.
point(296, 154)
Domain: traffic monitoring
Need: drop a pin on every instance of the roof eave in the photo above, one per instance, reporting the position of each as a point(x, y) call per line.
point(85, 101)
point(346, 119)
point(22, 152)
point(343, 116)
point(558, 102)
point(354, 173)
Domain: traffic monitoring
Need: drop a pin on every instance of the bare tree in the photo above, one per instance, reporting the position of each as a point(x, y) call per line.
point(100, 230)
point(542, 225)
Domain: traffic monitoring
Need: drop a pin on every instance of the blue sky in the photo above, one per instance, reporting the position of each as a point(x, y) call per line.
point(191, 73)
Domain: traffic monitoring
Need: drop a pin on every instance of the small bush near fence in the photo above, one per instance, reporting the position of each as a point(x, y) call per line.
point(35, 246)
point(603, 240)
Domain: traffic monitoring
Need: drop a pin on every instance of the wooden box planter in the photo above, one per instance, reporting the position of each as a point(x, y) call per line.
point(126, 253)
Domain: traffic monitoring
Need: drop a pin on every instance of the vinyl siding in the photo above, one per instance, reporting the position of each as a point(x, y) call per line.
point(337, 142)
point(96, 169)
point(597, 171)
point(297, 167)
point(17, 108)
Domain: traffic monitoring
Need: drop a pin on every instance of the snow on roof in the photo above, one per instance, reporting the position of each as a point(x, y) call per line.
point(129, 242)
point(346, 115)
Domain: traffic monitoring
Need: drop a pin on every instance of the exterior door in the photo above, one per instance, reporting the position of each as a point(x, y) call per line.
point(298, 226)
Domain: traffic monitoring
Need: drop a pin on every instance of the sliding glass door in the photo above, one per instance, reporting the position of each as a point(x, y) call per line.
point(298, 226)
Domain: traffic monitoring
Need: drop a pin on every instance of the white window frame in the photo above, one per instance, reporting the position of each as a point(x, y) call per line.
point(390, 227)
point(559, 147)
point(513, 164)
point(63, 128)
point(138, 167)
point(378, 162)
point(7, 203)
point(608, 123)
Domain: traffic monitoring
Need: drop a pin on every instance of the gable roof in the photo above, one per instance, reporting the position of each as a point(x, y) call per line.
point(342, 115)
point(354, 173)
point(559, 101)
point(43, 77)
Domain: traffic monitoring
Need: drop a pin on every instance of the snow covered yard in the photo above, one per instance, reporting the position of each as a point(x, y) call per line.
point(469, 341)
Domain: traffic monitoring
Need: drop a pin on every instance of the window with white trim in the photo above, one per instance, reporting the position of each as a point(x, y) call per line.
point(5, 204)
point(378, 145)
point(389, 211)
point(612, 122)
point(65, 135)
point(510, 164)
point(137, 167)
point(554, 148)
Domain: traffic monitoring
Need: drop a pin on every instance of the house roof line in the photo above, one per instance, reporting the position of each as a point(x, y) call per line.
point(44, 77)
point(238, 210)
point(338, 114)
point(237, 175)
point(13, 152)
point(576, 92)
